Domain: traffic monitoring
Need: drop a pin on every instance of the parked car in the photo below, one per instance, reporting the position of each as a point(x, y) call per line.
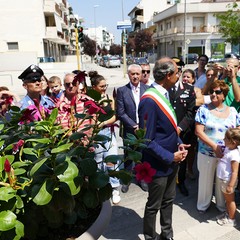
point(191, 58)
point(231, 55)
point(46, 59)
point(113, 61)
point(140, 60)
point(103, 61)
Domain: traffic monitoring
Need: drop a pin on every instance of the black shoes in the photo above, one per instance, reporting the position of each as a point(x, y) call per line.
point(125, 188)
point(144, 186)
point(182, 188)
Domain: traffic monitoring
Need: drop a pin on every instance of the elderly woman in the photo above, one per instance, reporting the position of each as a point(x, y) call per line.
point(212, 121)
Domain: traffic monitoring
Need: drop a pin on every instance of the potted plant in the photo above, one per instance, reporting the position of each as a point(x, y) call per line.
point(50, 186)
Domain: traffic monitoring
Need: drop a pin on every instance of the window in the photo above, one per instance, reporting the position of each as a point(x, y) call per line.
point(12, 45)
point(168, 25)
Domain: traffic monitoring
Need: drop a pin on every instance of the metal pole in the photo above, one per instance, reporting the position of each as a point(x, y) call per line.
point(124, 46)
point(95, 26)
point(77, 49)
point(184, 35)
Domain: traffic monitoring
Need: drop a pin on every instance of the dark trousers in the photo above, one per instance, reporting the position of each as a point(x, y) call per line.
point(161, 194)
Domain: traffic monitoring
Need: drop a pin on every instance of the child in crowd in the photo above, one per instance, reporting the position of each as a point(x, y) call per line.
point(227, 174)
point(55, 86)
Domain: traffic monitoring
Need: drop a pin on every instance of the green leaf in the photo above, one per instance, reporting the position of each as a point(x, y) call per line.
point(62, 148)
point(30, 151)
point(101, 138)
point(131, 137)
point(53, 116)
point(19, 229)
point(19, 202)
point(21, 164)
point(134, 155)
point(99, 180)
point(37, 165)
point(7, 193)
point(90, 198)
point(80, 115)
point(1, 127)
point(89, 166)
point(112, 159)
point(94, 94)
point(7, 220)
point(39, 140)
point(140, 133)
point(68, 177)
point(77, 135)
point(19, 171)
point(44, 195)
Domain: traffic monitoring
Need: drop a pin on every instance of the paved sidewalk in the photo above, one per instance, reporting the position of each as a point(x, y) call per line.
point(188, 224)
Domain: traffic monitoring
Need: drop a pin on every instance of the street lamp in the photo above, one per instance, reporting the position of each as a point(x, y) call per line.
point(184, 35)
point(94, 9)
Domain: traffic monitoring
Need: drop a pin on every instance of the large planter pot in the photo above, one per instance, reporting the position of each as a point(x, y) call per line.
point(98, 227)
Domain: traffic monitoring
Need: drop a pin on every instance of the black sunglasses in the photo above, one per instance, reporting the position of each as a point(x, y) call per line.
point(216, 91)
point(32, 80)
point(147, 71)
point(68, 84)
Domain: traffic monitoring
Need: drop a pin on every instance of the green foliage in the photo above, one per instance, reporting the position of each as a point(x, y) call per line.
point(54, 177)
point(229, 24)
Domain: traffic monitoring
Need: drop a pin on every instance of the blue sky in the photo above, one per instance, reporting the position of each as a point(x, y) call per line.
point(108, 13)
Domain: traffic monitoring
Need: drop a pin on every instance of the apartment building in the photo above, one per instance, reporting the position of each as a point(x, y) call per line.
point(36, 28)
point(183, 26)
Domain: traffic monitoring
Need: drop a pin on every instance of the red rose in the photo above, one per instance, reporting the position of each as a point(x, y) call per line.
point(144, 172)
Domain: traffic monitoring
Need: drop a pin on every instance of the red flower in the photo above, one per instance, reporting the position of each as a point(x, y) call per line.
point(9, 100)
point(7, 166)
point(144, 172)
point(28, 115)
point(80, 77)
point(17, 146)
point(93, 107)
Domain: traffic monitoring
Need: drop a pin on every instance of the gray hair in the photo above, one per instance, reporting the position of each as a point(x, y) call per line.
point(134, 66)
point(68, 74)
point(162, 67)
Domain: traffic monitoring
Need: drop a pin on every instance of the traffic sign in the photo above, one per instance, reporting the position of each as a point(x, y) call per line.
point(124, 24)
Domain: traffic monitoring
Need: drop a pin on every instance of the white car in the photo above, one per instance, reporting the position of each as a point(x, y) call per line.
point(113, 62)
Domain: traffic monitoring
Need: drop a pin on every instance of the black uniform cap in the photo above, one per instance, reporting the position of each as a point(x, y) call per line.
point(33, 72)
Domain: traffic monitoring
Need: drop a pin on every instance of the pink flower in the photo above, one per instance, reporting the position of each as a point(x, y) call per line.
point(144, 172)
point(93, 107)
point(17, 146)
point(9, 100)
point(7, 166)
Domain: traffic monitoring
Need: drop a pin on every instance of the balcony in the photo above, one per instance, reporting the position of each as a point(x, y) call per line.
point(138, 18)
point(49, 6)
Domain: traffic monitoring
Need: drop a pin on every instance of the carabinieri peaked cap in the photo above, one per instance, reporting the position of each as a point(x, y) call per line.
point(33, 72)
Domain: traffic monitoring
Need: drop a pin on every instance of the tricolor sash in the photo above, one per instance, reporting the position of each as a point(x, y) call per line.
point(162, 103)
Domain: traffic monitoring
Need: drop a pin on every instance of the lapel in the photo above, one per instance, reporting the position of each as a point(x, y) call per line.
point(130, 92)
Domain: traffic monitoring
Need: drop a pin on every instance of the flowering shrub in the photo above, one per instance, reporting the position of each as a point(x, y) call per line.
point(49, 178)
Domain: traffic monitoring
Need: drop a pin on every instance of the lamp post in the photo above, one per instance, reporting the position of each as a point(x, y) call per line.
point(95, 25)
point(124, 46)
point(184, 34)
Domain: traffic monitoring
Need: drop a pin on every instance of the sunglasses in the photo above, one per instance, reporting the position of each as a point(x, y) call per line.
point(146, 71)
point(216, 92)
point(32, 80)
point(68, 84)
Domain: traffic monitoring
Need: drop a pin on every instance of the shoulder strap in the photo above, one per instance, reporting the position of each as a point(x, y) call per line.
point(163, 104)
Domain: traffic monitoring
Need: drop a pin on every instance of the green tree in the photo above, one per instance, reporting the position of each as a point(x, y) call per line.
point(229, 24)
point(143, 41)
point(89, 46)
point(115, 49)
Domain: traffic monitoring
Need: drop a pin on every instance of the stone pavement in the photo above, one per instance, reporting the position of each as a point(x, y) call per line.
point(188, 224)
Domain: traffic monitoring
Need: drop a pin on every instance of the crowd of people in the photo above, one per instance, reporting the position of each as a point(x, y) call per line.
point(188, 115)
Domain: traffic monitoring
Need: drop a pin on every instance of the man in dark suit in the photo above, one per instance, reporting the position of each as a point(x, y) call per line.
point(127, 101)
point(183, 99)
point(164, 151)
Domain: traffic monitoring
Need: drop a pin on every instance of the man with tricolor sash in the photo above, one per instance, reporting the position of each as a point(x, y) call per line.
point(164, 151)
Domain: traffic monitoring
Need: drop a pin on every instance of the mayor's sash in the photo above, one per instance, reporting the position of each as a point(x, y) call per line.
point(163, 104)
